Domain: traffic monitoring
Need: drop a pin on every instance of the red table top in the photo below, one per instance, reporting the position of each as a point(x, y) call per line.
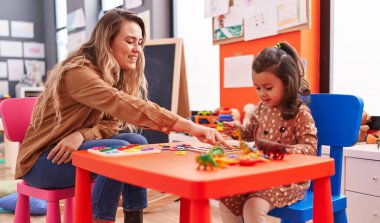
point(177, 174)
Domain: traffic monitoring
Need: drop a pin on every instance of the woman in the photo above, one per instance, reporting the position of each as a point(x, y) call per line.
point(98, 88)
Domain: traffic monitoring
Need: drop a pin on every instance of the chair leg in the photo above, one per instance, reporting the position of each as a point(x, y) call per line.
point(68, 213)
point(340, 216)
point(22, 213)
point(53, 214)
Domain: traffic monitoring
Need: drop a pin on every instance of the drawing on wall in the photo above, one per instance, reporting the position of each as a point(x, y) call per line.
point(34, 50)
point(22, 29)
point(261, 18)
point(15, 69)
point(10, 48)
point(4, 89)
point(229, 25)
point(216, 7)
point(3, 70)
point(4, 28)
point(262, 21)
point(291, 13)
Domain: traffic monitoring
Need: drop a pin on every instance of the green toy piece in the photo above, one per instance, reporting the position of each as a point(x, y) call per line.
point(206, 161)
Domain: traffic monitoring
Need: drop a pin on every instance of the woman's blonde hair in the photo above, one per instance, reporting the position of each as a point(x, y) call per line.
point(97, 53)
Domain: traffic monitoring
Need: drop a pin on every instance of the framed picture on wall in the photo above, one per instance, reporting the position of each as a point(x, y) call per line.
point(228, 28)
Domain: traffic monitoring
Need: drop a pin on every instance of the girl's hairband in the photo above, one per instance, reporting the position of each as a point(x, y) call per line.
point(277, 45)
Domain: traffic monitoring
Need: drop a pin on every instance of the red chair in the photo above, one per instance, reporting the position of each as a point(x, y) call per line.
point(16, 115)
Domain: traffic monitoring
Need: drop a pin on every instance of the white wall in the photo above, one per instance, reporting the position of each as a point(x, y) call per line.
point(201, 57)
point(356, 51)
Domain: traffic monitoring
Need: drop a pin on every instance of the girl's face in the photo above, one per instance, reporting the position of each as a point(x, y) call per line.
point(269, 88)
point(127, 45)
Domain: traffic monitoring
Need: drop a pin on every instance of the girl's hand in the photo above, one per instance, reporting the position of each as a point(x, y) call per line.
point(62, 152)
point(230, 128)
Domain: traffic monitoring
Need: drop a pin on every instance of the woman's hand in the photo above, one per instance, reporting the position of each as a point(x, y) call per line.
point(62, 152)
point(203, 134)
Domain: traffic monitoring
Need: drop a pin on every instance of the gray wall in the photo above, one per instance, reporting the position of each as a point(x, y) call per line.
point(160, 21)
point(27, 11)
point(42, 14)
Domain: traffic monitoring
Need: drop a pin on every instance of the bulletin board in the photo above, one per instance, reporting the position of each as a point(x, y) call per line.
point(305, 41)
point(166, 76)
point(291, 16)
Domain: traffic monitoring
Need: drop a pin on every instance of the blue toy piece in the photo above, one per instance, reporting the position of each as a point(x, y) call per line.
point(337, 119)
point(225, 118)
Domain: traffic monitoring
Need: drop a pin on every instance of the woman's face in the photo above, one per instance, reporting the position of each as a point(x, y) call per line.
point(127, 45)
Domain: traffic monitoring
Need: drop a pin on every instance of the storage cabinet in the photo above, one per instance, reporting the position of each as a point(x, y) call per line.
point(362, 183)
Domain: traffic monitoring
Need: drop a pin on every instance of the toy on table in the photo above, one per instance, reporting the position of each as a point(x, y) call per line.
point(206, 118)
point(129, 150)
point(215, 158)
point(198, 149)
point(273, 150)
point(206, 161)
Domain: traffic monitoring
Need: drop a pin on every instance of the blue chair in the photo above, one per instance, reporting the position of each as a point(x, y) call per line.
point(337, 119)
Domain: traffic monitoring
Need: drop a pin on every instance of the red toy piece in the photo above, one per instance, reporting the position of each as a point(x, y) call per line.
point(273, 150)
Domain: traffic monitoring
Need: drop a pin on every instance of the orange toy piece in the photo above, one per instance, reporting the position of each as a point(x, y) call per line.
point(371, 139)
point(364, 127)
point(206, 120)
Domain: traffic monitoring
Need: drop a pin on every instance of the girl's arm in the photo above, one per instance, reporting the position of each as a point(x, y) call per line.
point(306, 134)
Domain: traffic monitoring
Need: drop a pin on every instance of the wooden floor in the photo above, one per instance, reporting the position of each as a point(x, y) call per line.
point(168, 213)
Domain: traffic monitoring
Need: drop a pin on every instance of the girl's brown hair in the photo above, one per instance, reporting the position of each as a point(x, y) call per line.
point(283, 61)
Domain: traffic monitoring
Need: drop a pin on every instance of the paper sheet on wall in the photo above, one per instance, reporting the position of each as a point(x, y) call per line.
point(238, 71)
point(22, 29)
point(4, 88)
point(35, 66)
point(34, 50)
point(229, 25)
point(76, 19)
point(291, 13)
point(145, 16)
point(130, 4)
point(10, 48)
point(4, 28)
point(216, 7)
point(15, 69)
point(3, 70)
point(75, 40)
point(263, 20)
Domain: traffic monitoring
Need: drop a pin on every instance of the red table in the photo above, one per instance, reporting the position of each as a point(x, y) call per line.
point(178, 175)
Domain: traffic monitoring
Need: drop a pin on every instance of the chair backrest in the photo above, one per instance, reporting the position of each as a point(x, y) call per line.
point(337, 118)
point(16, 114)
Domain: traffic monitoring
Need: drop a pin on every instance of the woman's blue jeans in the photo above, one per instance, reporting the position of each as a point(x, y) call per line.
point(106, 192)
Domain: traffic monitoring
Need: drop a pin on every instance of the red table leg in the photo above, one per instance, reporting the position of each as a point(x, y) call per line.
point(195, 211)
point(83, 209)
point(322, 211)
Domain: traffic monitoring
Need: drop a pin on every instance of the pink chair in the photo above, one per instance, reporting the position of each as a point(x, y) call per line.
point(16, 115)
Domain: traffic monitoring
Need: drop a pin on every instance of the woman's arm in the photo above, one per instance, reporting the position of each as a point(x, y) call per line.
point(203, 134)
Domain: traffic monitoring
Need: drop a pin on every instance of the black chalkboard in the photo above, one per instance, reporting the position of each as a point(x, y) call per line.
point(166, 77)
point(159, 60)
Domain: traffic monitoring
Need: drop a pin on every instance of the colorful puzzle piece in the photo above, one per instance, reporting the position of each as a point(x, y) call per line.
point(200, 149)
point(130, 150)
